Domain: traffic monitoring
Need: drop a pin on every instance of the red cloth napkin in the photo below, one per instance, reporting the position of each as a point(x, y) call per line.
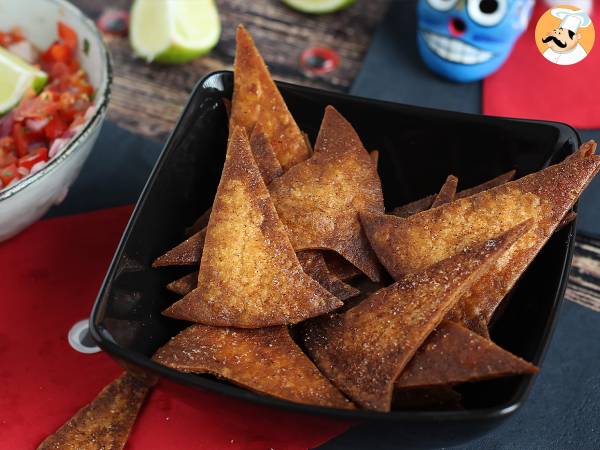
point(529, 86)
point(50, 276)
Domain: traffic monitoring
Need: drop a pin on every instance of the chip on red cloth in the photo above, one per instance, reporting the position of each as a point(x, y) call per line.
point(529, 86)
point(50, 276)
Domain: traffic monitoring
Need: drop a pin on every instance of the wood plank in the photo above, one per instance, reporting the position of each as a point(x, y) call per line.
point(147, 98)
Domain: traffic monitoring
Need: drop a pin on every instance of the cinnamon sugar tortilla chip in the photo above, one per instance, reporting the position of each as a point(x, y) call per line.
point(106, 422)
point(313, 264)
point(264, 360)
point(263, 153)
point(447, 192)
point(185, 284)
point(200, 223)
point(494, 182)
point(425, 203)
point(339, 267)
point(452, 354)
point(407, 245)
point(249, 275)
point(257, 99)
point(374, 156)
point(363, 350)
point(319, 199)
point(188, 252)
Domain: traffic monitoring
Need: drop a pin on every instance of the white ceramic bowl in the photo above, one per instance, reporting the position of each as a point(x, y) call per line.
point(27, 201)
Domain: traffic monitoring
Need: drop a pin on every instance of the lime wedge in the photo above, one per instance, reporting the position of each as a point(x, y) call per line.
point(318, 6)
point(16, 77)
point(174, 31)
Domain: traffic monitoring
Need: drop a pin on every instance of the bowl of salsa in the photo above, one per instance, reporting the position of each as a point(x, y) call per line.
point(55, 74)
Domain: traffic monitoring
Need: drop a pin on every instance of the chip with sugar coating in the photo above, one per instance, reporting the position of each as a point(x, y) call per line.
point(319, 199)
point(363, 350)
point(249, 275)
point(257, 99)
point(264, 360)
point(105, 422)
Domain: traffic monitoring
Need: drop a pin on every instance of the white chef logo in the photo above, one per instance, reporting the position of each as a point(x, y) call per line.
point(562, 37)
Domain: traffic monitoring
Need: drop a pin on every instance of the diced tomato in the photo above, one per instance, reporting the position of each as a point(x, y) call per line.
point(67, 35)
point(55, 128)
point(7, 158)
point(8, 173)
point(38, 155)
point(20, 139)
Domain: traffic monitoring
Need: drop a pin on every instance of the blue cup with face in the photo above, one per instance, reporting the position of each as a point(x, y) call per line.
point(467, 40)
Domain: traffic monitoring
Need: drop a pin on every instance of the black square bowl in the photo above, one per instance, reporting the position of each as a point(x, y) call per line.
point(418, 148)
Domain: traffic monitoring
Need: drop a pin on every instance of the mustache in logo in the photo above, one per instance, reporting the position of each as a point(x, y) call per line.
point(556, 41)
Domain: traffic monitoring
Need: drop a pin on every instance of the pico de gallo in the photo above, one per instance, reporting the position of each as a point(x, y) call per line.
point(40, 126)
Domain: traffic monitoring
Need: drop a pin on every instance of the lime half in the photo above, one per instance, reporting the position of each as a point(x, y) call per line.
point(174, 31)
point(318, 6)
point(16, 77)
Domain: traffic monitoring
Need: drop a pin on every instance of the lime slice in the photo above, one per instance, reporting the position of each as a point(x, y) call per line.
point(174, 31)
point(318, 6)
point(16, 77)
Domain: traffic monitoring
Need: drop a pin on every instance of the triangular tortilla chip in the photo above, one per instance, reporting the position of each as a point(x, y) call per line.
point(185, 284)
point(339, 267)
point(188, 253)
point(257, 99)
point(407, 245)
point(106, 422)
point(313, 264)
point(264, 360)
point(453, 354)
point(363, 350)
point(447, 192)
point(319, 199)
point(249, 276)
point(494, 182)
point(263, 153)
point(425, 203)
point(374, 156)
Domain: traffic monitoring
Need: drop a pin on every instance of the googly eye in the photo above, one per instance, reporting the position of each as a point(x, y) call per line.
point(487, 12)
point(442, 5)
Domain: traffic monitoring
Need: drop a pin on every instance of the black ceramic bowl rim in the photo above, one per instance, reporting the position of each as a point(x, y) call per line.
point(105, 341)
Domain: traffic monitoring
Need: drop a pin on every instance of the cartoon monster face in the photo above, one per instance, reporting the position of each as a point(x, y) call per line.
point(466, 40)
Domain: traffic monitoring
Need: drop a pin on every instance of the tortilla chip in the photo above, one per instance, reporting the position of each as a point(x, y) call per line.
point(200, 223)
point(249, 275)
point(264, 155)
point(187, 253)
point(339, 267)
point(408, 245)
point(425, 203)
point(313, 264)
point(319, 199)
point(374, 156)
point(264, 360)
point(438, 398)
point(257, 99)
point(569, 217)
point(185, 284)
point(453, 354)
point(447, 192)
point(308, 144)
point(106, 422)
point(494, 182)
point(363, 350)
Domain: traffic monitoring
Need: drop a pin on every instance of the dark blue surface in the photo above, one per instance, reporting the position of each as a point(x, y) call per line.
point(113, 175)
point(393, 71)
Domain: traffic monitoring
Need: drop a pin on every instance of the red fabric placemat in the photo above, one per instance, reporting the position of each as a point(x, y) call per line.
point(529, 86)
point(50, 276)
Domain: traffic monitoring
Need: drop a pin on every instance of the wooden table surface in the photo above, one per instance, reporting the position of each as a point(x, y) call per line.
point(147, 98)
